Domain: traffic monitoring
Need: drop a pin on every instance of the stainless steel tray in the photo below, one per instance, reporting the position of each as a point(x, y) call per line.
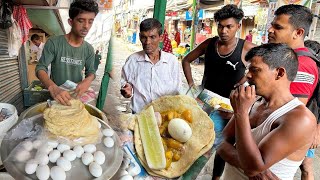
point(79, 171)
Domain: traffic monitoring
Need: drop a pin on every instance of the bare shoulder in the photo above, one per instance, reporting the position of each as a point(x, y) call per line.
point(301, 118)
point(205, 43)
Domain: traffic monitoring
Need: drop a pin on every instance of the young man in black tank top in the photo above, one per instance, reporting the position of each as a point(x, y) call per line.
point(224, 66)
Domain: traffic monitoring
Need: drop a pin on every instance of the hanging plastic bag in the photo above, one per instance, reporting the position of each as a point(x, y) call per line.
point(14, 38)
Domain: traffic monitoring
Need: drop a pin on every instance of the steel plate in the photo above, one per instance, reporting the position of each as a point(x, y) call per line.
point(79, 171)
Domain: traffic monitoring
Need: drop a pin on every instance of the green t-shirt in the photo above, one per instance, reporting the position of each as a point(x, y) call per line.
point(67, 62)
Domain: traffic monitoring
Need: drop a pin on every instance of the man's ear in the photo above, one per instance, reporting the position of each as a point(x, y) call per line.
point(161, 38)
point(280, 73)
point(239, 26)
point(299, 33)
point(70, 21)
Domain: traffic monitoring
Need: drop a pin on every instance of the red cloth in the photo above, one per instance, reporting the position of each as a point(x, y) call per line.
point(166, 43)
point(307, 77)
point(21, 16)
point(177, 38)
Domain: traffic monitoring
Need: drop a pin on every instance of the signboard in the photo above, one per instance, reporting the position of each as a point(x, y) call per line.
point(189, 14)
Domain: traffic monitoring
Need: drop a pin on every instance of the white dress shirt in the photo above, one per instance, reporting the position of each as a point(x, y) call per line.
point(37, 49)
point(150, 81)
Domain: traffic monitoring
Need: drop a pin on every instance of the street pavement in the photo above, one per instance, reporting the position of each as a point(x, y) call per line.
point(116, 106)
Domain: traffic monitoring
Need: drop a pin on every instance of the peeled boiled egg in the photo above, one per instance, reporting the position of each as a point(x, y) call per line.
point(108, 132)
point(95, 169)
point(54, 155)
point(27, 145)
point(122, 173)
point(31, 166)
point(134, 170)
point(89, 148)
point(64, 163)
point(87, 158)
point(23, 155)
point(53, 143)
point(63, 147)
point(108, 142)
point(126, 177)
point(99, 157)
point(69, 155)
point(179, 129)
point(36, 143)
point(57, 173)
point(42, 158)
point(43, 172)
point(78, 150)
point(45, 148)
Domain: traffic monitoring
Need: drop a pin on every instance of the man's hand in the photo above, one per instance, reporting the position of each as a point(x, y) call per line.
point(316, 140)
point(82, 87)
point(265, 175)
point(242, 98)
point(59, 95)
point(126, 90)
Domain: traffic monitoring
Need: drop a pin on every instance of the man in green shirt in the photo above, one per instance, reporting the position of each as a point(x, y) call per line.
point(69, 54)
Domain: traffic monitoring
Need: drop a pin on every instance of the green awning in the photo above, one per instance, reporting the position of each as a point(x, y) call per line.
point(46, 20)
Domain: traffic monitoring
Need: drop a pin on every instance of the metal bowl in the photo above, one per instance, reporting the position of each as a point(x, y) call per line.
point(114, 156)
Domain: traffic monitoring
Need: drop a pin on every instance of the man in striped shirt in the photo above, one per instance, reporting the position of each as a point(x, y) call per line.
point(290, 25)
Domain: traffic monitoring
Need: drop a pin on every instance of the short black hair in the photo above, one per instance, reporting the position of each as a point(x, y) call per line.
point(300, 16)
point(35, 37)
point(80, 6)
point(229, 11)
point(276, 55)
point(313, 46)
point(150, 24)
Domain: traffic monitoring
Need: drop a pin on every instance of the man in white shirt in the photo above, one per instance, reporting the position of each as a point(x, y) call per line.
point(150, 73)
point(37, 45)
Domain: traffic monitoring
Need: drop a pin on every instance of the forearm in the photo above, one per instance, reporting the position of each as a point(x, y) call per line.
point(90, 77)
point(229, 154)
point(45, 79)
point(250, 158)
point(187, 71)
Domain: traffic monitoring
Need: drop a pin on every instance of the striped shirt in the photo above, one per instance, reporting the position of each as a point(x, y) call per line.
point(307, 77)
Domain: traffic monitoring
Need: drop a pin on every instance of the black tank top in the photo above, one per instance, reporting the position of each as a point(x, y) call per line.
point(221, 74)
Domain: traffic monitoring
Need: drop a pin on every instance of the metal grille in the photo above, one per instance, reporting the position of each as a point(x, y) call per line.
point(10, 83)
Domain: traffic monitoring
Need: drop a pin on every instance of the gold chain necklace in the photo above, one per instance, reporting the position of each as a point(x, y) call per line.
point(225, 56)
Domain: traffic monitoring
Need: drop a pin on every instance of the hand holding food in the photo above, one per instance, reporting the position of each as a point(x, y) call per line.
point(59, 95)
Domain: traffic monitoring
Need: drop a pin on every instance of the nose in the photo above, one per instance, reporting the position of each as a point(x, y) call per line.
point(148, 40)
point(270, 30)
point(224, 29)
point(248, 74)
point(86, 25)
